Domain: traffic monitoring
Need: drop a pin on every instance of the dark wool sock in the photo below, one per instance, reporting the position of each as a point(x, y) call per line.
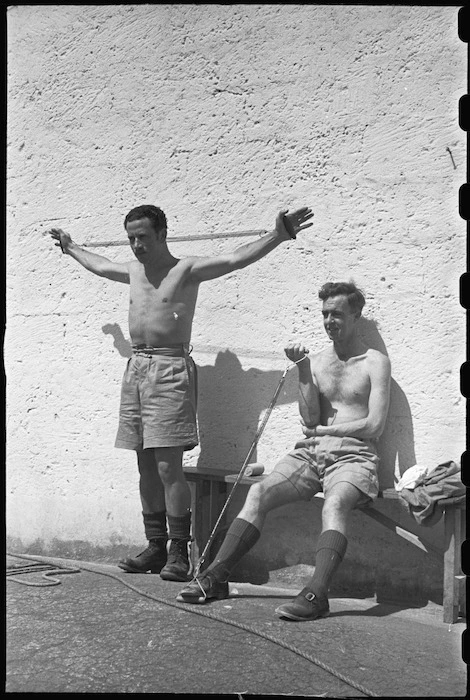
point(179, 526)
point(331, 547)
point(155, 525)
point(240, 538)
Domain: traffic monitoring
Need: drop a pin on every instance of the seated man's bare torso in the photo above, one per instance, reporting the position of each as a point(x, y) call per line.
point(344, 386)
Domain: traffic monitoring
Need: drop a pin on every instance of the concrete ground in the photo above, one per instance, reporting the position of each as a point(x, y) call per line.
point(103, 631)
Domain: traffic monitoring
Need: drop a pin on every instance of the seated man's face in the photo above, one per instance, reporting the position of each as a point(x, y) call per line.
point(338, 318)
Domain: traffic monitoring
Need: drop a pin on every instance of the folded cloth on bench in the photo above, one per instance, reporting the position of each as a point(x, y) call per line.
point(412, 477)
point(441, 486)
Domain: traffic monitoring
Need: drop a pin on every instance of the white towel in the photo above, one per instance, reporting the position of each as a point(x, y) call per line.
point(412, 477)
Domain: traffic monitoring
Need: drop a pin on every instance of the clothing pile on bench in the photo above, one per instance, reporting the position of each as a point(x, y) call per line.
point(427, 491)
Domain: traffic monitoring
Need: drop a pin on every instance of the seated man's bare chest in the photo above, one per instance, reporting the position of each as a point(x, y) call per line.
point(344, 382)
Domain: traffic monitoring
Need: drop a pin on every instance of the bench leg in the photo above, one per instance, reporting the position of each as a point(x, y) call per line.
point(454, 581)
point(207, 500)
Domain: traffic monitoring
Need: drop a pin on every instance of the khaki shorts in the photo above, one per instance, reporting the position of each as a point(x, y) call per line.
point(314, 468)
point(158, 400)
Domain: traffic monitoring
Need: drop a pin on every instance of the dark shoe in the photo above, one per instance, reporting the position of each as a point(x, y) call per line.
point(202, 589)
point(152, 559)
point(177, 566)
point(306, 606)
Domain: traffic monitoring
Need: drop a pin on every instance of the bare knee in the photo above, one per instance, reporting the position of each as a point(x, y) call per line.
point(269, 494)
point(337, 508)
point(169, 462)
point(169, 473)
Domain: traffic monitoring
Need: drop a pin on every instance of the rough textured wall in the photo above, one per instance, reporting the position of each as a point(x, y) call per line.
point(222, 115)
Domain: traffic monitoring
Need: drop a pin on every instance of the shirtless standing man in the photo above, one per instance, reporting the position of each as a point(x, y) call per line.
point(343, 403)
point(159, 391)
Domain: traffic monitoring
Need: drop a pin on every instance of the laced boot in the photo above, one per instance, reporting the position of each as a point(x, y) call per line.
point(152, 559)
point(177, 565)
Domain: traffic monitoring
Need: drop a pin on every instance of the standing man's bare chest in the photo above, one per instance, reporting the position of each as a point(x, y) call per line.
point(157, 287)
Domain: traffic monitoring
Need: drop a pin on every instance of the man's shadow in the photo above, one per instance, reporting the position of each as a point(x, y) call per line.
point(396, 445)
point(122, 345)
point(231, 402)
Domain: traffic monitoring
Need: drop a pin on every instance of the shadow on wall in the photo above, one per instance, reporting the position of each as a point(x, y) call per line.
point(231, 401)
point(396, 445)
point(120, 343)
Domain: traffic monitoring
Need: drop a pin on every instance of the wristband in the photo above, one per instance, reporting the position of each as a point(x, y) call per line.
point(289, 228)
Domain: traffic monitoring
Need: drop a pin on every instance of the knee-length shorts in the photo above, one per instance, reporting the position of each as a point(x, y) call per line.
point(311, 468)
point(158, 400)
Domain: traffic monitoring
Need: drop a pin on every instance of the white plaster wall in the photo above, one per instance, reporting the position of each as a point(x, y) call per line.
point(222, 115)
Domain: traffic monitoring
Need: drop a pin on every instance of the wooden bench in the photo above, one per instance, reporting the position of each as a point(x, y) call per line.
point(210, 488)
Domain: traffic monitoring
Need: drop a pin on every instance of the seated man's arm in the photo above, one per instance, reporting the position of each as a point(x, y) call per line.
point(309, 397)
point(203, 269)
point(371, 425)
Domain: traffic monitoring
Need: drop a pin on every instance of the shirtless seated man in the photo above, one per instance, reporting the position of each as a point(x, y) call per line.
point(343, 403)
point(158, 395)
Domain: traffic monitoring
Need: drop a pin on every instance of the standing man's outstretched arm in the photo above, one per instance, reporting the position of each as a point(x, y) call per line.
point(99, 265)
point(287, 226)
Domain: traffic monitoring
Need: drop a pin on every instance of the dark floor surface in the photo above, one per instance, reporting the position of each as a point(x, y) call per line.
point(103, 631)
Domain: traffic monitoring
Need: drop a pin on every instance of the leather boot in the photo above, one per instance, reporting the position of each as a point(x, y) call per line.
point(152, 559)
point(177, 566)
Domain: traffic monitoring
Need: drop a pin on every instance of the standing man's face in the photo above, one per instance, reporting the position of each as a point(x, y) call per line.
point(338, 319)
point(143, 239)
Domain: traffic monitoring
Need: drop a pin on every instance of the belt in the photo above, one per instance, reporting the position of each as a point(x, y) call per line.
point(179, 350)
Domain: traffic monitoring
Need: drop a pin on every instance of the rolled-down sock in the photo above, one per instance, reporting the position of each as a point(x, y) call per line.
point(155, 526)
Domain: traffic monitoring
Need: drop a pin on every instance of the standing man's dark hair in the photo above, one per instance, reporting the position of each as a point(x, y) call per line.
point(355, 297)
point(154, 214)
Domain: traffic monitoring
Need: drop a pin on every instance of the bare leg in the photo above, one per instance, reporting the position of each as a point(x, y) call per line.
point(273, 492)
point(152, 496)
point(169, 463)
point(312, 601)
point(332, 543)
point(242, 535)
point(152, 493)
point(339, 503)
